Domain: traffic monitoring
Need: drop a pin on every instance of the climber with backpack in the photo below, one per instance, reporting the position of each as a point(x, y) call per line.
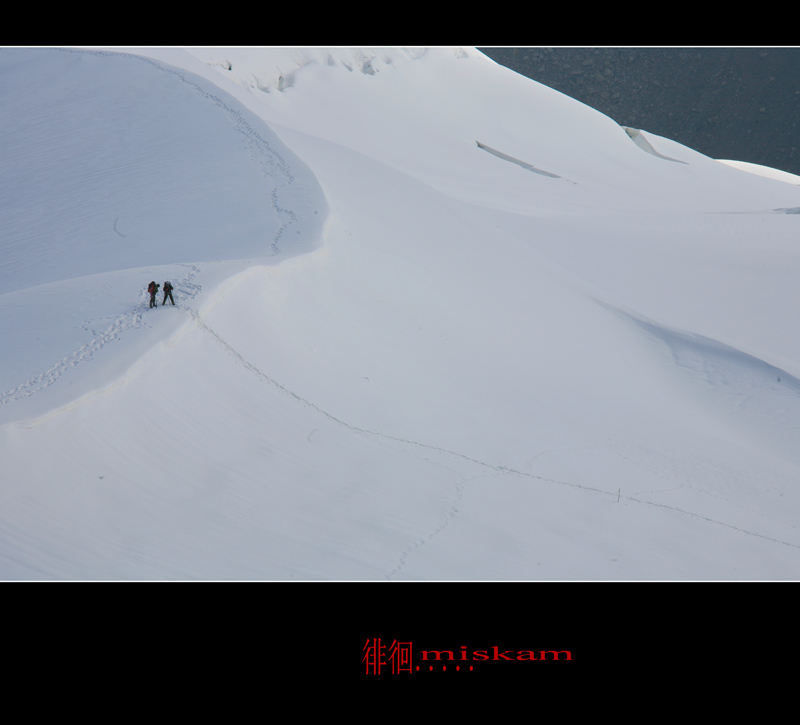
point(167, 293)
point(152, 288)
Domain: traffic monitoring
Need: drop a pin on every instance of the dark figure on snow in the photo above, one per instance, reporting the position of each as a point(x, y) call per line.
point(153, 290)
point(167, 293)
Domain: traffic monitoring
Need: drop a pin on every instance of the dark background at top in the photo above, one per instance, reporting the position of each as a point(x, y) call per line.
point(727, 103)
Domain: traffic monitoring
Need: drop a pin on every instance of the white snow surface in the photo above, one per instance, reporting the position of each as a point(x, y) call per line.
point(433, 321)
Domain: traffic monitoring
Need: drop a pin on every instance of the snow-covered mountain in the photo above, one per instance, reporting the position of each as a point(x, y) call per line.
point(433, 321)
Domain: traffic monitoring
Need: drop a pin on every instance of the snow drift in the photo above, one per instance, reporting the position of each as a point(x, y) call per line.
point(394, 355)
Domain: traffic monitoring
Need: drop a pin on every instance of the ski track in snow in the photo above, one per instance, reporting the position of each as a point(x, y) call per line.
point(449, 516)
point(493, 468)
point(185, 289)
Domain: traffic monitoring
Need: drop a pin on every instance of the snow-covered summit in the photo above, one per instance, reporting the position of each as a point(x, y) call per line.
point(434, 321)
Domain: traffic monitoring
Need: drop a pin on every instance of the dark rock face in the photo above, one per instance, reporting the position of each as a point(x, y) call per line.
point(728, 103)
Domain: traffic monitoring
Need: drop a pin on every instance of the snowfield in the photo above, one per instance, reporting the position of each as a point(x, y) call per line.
point(434, 321)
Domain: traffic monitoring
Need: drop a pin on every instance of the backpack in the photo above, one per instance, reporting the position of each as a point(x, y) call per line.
point(151, 288)
point(167, 286)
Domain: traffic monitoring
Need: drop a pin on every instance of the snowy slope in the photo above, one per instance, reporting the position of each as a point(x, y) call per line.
point(434, 321)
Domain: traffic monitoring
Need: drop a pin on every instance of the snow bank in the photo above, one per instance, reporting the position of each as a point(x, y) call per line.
point(764, 171)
